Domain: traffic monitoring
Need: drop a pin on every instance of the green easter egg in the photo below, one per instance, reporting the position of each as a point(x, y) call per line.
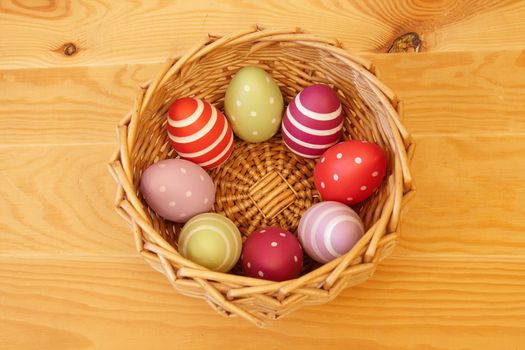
point(211, 240)
point(253, 104)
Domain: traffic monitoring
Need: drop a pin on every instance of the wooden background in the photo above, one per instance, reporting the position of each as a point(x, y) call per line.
point(69, 274)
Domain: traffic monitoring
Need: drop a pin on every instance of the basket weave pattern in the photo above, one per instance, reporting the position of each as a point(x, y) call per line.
point(264, 184)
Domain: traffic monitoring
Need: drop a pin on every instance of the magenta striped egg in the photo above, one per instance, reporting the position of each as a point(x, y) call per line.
point(313, 121)
point(328, 230)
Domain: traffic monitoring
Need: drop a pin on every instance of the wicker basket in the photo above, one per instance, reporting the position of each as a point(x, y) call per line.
point(264, 184)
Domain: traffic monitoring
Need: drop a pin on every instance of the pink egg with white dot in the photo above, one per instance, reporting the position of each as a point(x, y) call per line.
point(313, 121)
point(177, 189)
point(328, 230)
point(272, 253)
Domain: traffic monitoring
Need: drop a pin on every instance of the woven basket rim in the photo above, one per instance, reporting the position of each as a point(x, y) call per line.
point(154, 247)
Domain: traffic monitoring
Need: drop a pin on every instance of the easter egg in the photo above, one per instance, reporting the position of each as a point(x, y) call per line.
point(253, 104)
point(328, 230)
point(350, 171)
point(313, 121)
point(199, 132)
point(211, 240)
point(177, 189)
point(273, 254)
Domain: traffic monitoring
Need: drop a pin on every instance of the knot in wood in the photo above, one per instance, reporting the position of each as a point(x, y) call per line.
point(409, 42)
point(69, 49)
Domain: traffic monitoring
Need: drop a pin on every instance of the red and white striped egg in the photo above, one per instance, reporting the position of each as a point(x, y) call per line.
point(199, 132)
point(313, 121)
point(328, 230)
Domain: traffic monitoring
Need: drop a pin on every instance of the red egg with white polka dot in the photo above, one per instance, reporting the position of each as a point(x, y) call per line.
point(350, 171)
point(199, 132)
point(272, 254)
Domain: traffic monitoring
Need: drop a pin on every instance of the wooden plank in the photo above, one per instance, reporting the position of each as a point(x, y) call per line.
point(464, 206)
point(458, 92)
point(75, 105)
point(108, 32)
point(59, 200)
point(469, 200)
point(443, 93)
point(122, 303)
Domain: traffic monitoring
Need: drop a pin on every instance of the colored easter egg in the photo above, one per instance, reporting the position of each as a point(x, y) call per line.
point(273, 254)
point(253, 104)
point(328, 230)
point(313, 121)
point(199, 132)
point(177, 189)
point(350, 171)
point(212, 241)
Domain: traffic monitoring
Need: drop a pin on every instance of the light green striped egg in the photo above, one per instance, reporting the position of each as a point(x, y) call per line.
point(211, 240)
point(253, 104)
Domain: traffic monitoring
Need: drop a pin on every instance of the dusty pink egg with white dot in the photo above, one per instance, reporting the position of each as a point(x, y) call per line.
point(328, 230)
point(177, 189)
point(273, 254)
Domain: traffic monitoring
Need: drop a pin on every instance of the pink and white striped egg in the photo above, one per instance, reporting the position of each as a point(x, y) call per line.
point(199, 132)
point(313, 121)
point(328, 230)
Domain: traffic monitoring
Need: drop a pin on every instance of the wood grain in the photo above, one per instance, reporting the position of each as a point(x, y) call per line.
point(476, 93)
point(121, 303)
point(58, 200)
point(76, 105)
point(469, 198)
point(464, 206)
point(109, 32)
point(457, 92)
